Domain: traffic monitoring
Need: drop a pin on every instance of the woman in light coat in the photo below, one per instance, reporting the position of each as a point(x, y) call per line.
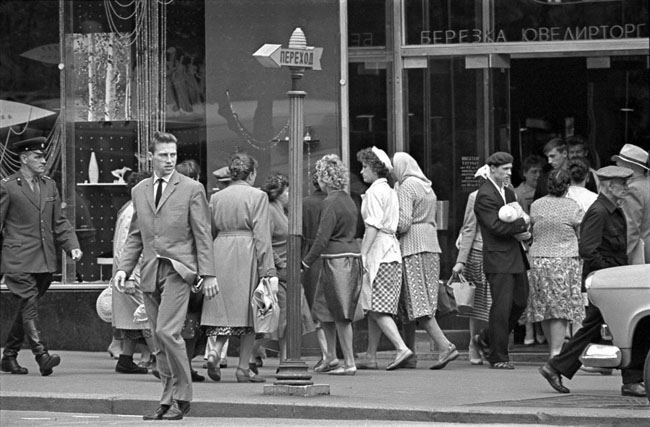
point(243, 254)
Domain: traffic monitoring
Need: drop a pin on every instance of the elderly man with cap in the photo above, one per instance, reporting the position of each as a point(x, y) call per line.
point(504, 261)
point(602, 245)
point(222, 175)
point(31, 222)
point(637, 203)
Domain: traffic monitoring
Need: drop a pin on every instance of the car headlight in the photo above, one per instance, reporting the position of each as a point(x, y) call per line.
point(588, 281)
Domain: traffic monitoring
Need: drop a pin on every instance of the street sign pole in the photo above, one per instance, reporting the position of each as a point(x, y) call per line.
point(292, 373)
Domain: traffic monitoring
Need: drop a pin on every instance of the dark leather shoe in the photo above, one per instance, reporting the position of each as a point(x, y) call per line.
point(46, 362)
point(10, 364)
point(554, 378)
point(633, 389)
point(196, 377)
point(178, 410)
point(125, 365)
point(157, 414)
point(214, 372)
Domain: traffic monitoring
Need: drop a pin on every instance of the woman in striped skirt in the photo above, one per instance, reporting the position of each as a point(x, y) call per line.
point(470, 262)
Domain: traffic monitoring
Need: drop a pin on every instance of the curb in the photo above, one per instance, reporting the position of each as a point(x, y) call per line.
point(465, 415)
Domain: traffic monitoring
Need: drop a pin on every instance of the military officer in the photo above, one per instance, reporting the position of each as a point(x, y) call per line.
point(31, 222)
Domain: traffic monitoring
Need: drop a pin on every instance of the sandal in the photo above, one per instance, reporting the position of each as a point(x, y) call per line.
point(327, 366)
point(247, 376)
point(502, 365)
point(344, 370)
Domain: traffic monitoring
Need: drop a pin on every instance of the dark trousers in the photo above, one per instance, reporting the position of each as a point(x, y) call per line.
point(509, 299)
point(567, 362)
point(27, 288)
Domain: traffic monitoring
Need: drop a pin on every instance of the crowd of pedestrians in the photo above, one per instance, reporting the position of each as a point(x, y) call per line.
point(185, 268)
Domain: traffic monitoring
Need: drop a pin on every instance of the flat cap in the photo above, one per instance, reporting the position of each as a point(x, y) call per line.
point(499, 158)
point(222, 174)
point(613, 172)
point(31, 144)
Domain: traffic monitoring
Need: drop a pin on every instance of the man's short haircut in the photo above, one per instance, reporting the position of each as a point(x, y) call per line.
point(576, 140)
point(556, 143)
point(161, 138)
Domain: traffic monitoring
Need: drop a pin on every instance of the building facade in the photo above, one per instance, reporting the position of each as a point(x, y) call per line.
point(448, 81)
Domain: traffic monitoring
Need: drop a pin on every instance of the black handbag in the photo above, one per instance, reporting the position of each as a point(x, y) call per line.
point(446, 301)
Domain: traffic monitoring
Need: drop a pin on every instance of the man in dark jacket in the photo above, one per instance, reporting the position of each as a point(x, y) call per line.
point(31, 222)
point(603, 244)
point(504, 261)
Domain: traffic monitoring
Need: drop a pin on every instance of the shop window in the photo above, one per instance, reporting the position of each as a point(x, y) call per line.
point(366, 23)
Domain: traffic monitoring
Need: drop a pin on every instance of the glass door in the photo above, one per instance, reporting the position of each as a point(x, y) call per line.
point(458, 113)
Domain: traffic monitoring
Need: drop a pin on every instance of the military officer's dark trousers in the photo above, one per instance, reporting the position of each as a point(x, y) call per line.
point(27, 289)
point(568, 361)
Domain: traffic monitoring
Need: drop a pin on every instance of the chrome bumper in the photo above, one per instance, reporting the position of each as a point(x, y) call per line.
point(601, 356)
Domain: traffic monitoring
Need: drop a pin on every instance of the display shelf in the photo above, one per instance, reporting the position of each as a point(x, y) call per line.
point(101, 184)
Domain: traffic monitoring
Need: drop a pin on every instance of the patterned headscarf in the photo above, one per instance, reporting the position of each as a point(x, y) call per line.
point(405, 166)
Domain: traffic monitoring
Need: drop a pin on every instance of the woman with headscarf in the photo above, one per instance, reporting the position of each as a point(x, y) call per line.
point(339, 284)
point(420, 249)
point(381, 258)
point(470, 262)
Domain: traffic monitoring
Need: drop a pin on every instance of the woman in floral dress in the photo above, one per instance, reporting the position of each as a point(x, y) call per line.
point(555, 276)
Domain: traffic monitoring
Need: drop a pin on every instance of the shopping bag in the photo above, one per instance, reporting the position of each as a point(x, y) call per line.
point(104, 304)
point(266, 310)
point(446, 301)
point(463, 292)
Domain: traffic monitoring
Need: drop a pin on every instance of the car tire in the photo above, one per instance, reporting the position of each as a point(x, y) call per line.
point(646, 376)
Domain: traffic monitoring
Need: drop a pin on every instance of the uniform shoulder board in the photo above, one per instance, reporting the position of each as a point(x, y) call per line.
point(11, 178)
point(47, 177)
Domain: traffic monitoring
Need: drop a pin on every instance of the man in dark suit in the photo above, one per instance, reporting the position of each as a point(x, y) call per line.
point(31, 222)
point(171, 229)
point(504, 260)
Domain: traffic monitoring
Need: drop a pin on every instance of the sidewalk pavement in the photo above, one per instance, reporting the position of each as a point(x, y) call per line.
point(461, 393)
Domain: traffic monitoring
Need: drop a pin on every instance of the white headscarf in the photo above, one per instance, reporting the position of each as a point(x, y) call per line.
point(483, 172)
point(405, 166)
point(383, 157)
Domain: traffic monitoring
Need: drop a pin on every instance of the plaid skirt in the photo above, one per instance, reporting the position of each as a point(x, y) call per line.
point(386, 288)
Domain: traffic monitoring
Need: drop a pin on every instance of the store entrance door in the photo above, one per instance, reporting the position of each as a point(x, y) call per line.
point(603, 99)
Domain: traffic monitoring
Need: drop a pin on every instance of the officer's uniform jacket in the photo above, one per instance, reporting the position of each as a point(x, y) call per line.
point(30, 227)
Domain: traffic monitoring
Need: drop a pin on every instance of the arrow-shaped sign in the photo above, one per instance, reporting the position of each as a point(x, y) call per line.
point(275, 56)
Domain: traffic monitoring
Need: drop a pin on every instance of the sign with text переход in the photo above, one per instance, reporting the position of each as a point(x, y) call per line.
point(275, 56)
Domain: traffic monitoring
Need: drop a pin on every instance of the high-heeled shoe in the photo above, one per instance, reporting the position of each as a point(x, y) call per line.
point(213, 368)
point(246, 376)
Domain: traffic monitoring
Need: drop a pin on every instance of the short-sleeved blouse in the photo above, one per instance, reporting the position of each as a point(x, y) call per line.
point(556, 223)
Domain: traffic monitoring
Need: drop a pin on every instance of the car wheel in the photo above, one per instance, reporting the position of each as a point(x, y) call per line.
point(646, 375)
